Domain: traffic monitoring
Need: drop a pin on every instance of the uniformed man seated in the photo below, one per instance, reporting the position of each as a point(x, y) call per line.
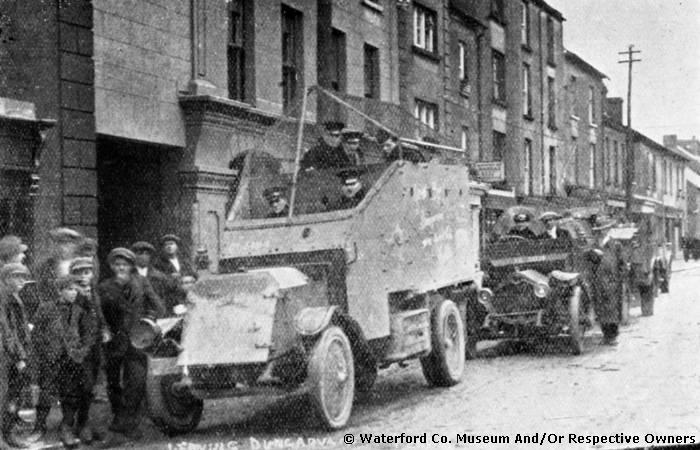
point(522, 227)
point(549, 219)
point(352, 188)
point(393, 149)
point(351, 145)
point(328, 153)
point(278, 204)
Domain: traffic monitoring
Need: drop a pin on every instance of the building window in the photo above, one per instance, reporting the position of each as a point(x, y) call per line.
point(465, 140)
point(236, 51)
point(550, 41)
point(499, 77)
point(527, 167)
point(499, 145)
point(527, 94)
point(616, 164)
point(525, 25)
point(426, 112)
point(622, 172)
point(591, 105)
point(462, 52)
point(371, 71)
point(338, 71)
point(552, 170)
point(551, 104)
point(591, 167)
point(292, 56)
point(424, 28)
point(498, 10)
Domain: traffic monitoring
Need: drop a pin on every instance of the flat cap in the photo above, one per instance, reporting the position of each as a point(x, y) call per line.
point(121, 252)
point(10, 246)
point(65, 235)
point(141, 246)
point(81, 262)
point(13, 269)
point(169, 237)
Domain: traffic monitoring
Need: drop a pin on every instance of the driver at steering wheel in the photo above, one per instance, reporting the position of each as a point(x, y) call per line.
point(522, 227)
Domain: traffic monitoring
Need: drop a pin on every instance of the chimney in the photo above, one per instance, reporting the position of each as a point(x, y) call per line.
point(613, 109)
point(670, 140)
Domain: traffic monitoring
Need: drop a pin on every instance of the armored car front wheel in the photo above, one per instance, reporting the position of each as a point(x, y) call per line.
point(331, 378)
point(444, 366)
point(172, 409)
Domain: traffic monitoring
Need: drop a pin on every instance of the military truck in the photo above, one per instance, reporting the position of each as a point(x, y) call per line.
point(318, 299)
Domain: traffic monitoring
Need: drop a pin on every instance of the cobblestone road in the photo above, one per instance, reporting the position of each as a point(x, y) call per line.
point(647, 385)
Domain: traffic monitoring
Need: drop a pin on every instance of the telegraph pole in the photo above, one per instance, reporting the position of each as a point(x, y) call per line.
point(629, 179)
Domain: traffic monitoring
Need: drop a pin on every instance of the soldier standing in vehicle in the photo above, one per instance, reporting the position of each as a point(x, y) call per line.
point(126, 298)
point(608, 271)
point(351, 145)
point(352, 189)
point(328, 153)
point(549, 219)
point(278, 204)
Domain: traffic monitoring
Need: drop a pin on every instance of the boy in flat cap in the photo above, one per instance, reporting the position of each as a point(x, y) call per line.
point(278, 204)
point(328, 153)
point(126, 298)
point(167, 289)
point(64, 337)
point(12, 250)
point(16, 345)
point(171, 261)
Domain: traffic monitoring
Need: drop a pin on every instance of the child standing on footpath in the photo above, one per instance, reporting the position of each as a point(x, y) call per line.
point(65, 335)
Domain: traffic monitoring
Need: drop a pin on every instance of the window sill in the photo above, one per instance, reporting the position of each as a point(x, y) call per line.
point(433, 56)
point(372, 5)
point(528, 117)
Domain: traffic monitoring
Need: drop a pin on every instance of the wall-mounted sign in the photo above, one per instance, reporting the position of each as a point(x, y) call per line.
point(490, 171)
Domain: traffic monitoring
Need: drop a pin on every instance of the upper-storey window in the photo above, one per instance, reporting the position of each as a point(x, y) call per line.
point(238, 41)
point(426, 112)
point(527, 91)
point(525, 25)
point(499, 76)
point(338, 77)
point(424, 28)
point(292, 56)
point(550, 41)
point(371, 71)
point(551, 104)
point(591, 105)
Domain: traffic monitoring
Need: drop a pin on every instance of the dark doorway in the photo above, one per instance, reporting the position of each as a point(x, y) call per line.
point(133, 179)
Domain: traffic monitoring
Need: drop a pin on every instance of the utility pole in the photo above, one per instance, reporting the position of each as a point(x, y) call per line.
point(629, 163)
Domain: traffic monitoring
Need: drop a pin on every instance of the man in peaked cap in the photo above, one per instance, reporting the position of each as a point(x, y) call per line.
point(351, 145)
point(328, 152)
point(549, 219)
point(278, 204)
point(126, 298)
point(171, 261)
point(166, 288)
point(352, 188)
point(521, 227)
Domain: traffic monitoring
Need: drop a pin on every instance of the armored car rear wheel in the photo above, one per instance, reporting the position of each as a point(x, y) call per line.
point(331, 378)
point(173, 411)
point(444, 366)
point(576, 314)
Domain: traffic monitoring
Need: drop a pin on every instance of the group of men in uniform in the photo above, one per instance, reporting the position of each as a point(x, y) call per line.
point(341, 149)
point(60, 332)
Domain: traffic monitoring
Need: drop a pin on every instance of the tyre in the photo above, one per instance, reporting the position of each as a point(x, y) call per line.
point(173, 411)
point(576, 314)
point(331, 378)
point(444, 366)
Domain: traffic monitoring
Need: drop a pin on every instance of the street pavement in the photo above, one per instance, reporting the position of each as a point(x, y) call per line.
point(645, 387)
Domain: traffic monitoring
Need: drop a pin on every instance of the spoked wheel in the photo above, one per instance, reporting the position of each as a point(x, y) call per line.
point(576, 315)
point(331, 378)
point(174, 410)
point(444, 366)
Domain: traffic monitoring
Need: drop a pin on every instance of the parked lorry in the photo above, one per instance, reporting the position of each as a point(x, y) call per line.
point(317, 300)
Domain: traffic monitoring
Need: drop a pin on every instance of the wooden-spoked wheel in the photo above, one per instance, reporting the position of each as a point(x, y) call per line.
point(444, 366)
point(331, 378)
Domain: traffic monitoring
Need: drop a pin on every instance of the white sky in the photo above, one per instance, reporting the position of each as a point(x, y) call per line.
point(666, 83)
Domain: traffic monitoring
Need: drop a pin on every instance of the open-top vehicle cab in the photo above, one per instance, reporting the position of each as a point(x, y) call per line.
point(532, 288)
point(319, 298)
